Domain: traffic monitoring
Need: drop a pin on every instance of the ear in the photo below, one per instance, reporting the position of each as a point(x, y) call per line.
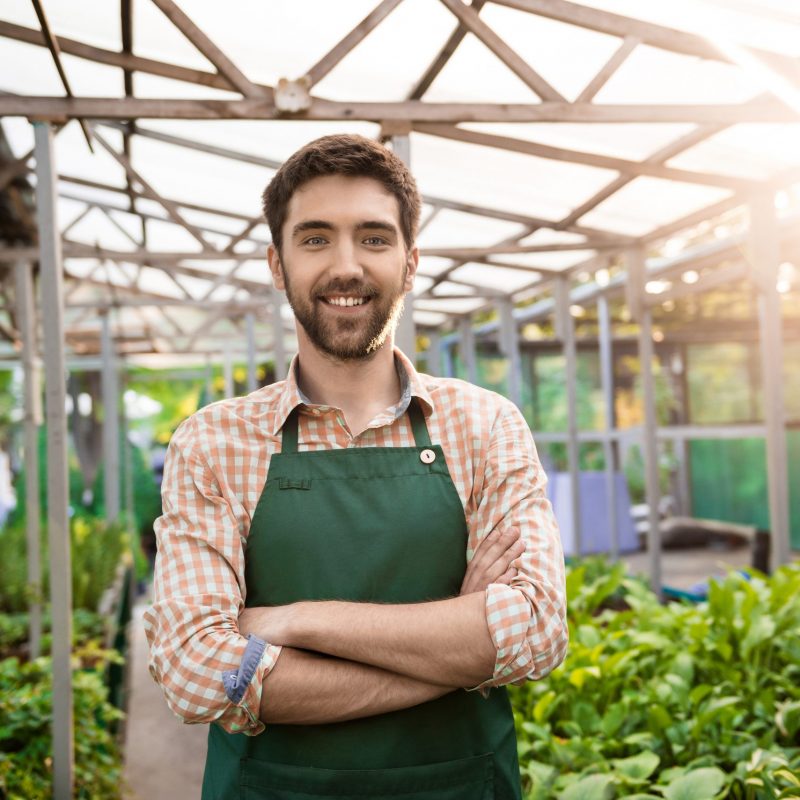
point(274, 262)
point(412, 260)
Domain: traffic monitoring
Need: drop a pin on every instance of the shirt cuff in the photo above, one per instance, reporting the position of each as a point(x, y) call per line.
point(236, 681)
point(507, 616)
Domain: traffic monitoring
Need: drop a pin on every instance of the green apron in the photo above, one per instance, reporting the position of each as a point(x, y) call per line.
point(371, 524)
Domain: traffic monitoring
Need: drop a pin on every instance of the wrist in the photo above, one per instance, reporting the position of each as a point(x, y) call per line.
point(299, 623)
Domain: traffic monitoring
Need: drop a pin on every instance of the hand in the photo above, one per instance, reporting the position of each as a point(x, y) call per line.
point(270, 623)
point(492, 560)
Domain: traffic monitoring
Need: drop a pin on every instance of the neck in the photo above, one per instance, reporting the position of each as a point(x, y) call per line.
point(360, 388)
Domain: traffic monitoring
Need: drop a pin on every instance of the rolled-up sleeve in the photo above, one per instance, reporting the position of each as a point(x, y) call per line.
point(207, 670)
point(526, 619)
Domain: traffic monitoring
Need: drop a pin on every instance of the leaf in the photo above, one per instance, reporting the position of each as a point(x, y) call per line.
point(543, 707)
point(699, 784)
point(592, 787)
point(580, 675)
point(639, 767)
point(762, 628)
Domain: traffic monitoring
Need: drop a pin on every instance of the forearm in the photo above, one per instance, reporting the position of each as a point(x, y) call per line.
point(445, 642)
point(310, 689)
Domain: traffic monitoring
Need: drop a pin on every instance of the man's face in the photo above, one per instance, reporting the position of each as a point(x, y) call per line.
point(344, 264)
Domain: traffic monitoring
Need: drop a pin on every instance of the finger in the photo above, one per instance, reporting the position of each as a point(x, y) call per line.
point(507, 576)
point(495, 544)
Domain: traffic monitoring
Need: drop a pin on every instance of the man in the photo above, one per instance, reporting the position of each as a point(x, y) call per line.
point(343, 553)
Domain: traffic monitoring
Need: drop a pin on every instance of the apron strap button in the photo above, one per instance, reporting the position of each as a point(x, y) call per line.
point(427, 456)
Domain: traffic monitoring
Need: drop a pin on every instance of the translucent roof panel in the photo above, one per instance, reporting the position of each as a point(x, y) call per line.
point(501, 180)
point(646, 203)
point(676, 78)
point(771, 24)
point(493, 277)
point(752, 151)
point(455, 228)
point(631, 141)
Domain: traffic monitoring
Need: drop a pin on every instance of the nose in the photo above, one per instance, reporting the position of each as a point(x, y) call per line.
point(345, 264)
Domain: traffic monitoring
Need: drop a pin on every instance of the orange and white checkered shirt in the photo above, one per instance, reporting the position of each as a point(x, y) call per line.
point(214, 473)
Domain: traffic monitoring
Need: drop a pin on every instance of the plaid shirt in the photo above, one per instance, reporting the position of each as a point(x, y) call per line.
point(214, 473)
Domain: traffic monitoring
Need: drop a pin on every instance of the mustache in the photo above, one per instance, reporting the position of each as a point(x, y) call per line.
point(353, 286)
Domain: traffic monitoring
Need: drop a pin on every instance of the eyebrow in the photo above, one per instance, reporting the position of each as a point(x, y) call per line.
point(367, 225)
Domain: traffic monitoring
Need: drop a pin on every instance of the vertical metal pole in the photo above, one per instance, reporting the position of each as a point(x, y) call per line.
point(565, 330)
point(509, 346)
point(250, 322)
point(684, 485)
point(449, 365)
point(636, 282)
point(406, 335)
point(209, 391)
point(33, 416)
point(110, 386)
point(57, 482)
point(467, 349)
point(434, 366)
point(609, 454)
point(278, 347)
point(127, 455)
point(227, 368)
point(764, 265)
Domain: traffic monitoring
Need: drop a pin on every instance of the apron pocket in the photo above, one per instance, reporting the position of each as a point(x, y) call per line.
point(464, 779)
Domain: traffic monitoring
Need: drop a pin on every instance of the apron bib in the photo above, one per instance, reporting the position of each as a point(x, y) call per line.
point(372, 524)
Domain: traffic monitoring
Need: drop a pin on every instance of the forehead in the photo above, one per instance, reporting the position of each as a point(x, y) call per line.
point(341, 199)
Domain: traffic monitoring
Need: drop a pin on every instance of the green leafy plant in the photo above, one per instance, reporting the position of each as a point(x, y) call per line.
point(26, 699)
point(97, 549)
point(678, 701)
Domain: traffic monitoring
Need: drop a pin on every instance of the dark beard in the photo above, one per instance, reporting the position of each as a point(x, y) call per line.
point(333, 338)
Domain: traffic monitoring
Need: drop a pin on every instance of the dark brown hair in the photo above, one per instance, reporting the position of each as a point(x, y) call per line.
point(342, 154)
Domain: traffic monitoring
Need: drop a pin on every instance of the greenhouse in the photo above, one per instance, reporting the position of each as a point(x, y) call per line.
point(609, 242)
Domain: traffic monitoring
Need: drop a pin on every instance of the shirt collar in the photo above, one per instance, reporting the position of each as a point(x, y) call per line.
point(411, 385)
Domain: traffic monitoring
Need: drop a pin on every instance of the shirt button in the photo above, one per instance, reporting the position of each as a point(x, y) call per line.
point(427, 456)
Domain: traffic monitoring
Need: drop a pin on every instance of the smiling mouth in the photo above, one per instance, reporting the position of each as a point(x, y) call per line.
point(345, 301)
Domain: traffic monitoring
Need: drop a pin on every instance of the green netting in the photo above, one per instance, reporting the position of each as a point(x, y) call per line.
point(729, 481)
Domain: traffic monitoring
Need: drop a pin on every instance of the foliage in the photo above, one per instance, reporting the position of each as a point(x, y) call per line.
point(146, 496)
point(97, 548)
point(683, 702)
point(87, 626)
point(26, 696)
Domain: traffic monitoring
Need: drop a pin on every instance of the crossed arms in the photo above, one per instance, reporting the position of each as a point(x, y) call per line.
point(370, 664)
point(370, 658)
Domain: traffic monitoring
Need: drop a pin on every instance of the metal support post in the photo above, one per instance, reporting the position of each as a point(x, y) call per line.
point(449, 363)
point(635, 288)
point(609, 449)
point(434, 365)
point(278, 347)
point(509, 347)
point(57, 483)
point(406, 335)
point(227, 368)
point(467, 349)
point(250, 323)
point(209, 382)
point(110, 386)
point(765, 257)
point(127, 457)
point(33, 418)
point(565, 330)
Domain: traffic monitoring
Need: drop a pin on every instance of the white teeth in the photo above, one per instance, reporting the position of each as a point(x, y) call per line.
point(346, 301)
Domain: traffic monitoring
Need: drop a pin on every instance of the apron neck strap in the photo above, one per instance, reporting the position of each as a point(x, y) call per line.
point(418, 426)
point(415, 415)
point(289, 434)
